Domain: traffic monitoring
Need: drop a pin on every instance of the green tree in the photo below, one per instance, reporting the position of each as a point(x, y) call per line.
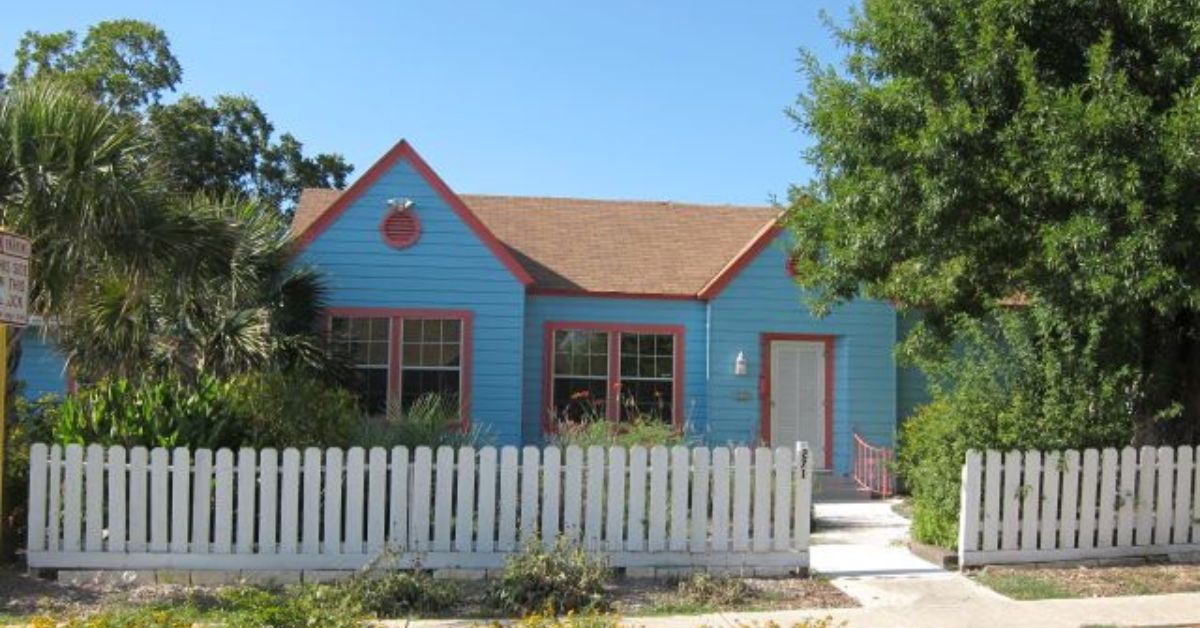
point(971, 152)
point(126, 62)
point(227, 146)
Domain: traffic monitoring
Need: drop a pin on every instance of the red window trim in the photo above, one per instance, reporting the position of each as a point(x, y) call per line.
point(614, 365)
point(764, 426)
point(395, 363)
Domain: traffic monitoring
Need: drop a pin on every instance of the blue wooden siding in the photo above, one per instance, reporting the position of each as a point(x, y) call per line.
point(42, 370)
point(912, 387)
point(762, 298)
point(543, 309)
point(448, 268)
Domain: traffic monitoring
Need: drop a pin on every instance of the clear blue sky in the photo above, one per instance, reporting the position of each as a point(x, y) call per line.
point(677, 100)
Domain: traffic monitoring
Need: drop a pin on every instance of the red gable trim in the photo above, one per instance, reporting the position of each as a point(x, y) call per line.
point(747, 255)
point(403, 151)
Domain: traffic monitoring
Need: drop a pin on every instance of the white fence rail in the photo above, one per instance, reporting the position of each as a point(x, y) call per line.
point(99, 508)
point(1034, 507)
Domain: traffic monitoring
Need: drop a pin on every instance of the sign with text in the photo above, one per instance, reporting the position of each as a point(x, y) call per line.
point(14, 279)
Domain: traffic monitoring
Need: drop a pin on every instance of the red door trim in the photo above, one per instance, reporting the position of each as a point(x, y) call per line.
point(765, 379)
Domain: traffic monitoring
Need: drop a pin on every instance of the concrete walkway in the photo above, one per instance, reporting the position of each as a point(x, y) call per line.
point(1182, 609)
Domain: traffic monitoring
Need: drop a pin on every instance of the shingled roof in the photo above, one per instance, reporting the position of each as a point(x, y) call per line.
point(604, 246)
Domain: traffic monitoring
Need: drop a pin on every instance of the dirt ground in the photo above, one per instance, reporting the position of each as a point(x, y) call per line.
point(23, 596)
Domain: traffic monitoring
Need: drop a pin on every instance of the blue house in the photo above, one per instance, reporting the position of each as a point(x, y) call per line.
point(528, 310)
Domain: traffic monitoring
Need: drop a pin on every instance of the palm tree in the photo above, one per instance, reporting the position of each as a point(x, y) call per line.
point(137, 280)
point(250, 308)
point(73, 177)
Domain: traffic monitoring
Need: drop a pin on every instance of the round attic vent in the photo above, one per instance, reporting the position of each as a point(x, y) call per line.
point(400, 228)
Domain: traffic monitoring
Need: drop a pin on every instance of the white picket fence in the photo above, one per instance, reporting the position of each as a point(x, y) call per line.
point(1072, 505)
point(98, 508)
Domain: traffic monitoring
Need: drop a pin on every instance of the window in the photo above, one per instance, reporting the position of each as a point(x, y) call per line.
point(364, 343)
point(647, 376)
point(400, 355)
point(615, 373)
point(580, 379)
point(431, 359)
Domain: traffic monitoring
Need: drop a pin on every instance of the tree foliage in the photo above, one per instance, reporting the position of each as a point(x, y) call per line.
point(226, 146)
point(971, 152)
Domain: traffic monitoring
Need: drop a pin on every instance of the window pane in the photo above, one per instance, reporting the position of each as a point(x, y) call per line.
point(450, 356)
point(370, 385)
point(647, 400)
point(412, 354)
point(380, 328)
point(577, 399)
point(415, 383)
point(360, 353)
point(665, 367)
point(412, 330)
point(431, 331)
point(451, 330)
point(580, 352)
point(360, 328)
point(339, 326)
point(378, 353)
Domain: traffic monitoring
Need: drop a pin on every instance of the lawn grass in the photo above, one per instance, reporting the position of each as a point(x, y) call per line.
point(1085, 582)
point(1024, 586)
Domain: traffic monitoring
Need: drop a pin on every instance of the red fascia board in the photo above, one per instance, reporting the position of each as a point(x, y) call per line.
point(718, 283)
point(403, 151)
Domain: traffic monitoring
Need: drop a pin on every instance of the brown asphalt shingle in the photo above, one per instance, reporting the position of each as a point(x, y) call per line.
point(636, 247)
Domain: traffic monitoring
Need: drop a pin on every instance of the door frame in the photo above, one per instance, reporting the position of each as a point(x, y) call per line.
point(766, 339)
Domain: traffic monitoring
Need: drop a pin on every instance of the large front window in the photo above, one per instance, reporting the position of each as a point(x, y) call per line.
point(399, 358)
point(613, 373)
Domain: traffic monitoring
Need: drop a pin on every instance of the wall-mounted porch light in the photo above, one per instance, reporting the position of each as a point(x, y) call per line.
point(739, 364)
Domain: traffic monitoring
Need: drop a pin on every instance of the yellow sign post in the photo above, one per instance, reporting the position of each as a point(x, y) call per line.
point(14, 310)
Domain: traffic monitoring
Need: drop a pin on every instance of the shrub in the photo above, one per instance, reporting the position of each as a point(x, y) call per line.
point(290, 409)
point(559, 579)
point(1018, 381)
point(29, 423)
point(707, 590)
point(166, 413)
point(641, 431)
point(401, 593)
point(270, 409)
point(431, 421)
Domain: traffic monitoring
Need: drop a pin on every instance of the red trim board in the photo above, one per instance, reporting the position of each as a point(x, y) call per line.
point(614, 364)
point(765, 378)
point(397, 316)
point(743, 259)
point(403, 151)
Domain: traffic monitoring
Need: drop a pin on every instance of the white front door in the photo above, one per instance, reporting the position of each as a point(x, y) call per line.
point(798, 395)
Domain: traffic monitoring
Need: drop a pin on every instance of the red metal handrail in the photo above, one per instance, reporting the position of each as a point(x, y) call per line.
point(873, 467)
